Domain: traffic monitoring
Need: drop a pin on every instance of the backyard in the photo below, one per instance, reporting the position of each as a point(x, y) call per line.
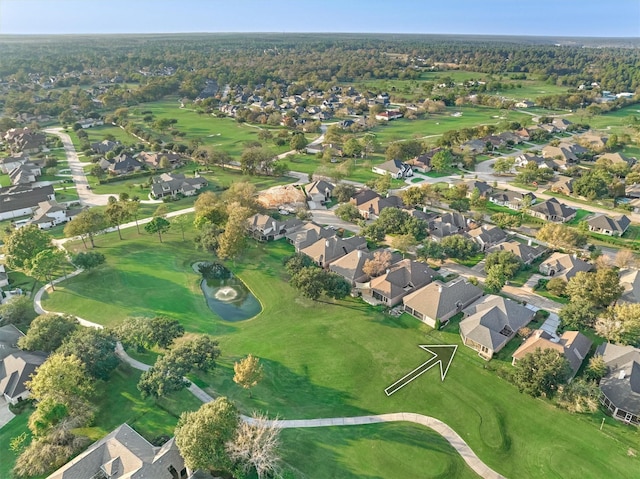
point(326, 359)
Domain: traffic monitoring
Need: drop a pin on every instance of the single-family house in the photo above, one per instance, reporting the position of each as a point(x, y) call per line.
point(524, 104)
point(154, 159)
point(621, 386)
point(484, 188)
point(363, 196)
point(632, 191)
point(564, 185)
point(617, 159)
point(526, 252)
point(351, 266)
point(511, 199)
point(12, 162)
point(561, 123)
point(388, 115)
point(593, 140)
point(486, 236)
point(565, 152)
point(327, 250)
point(607, 225)
point(565, 266)
point(121, 164)
point(173, 184)
point(307, 234)
point(490, 323)
point(446, 225)
point(401, 279)
point(422, 162)
point(521, 161)
point(630, 281)
point(319, 191)
point(437, 302)
point(396, 168)
point(49, 214)
point(265, 228)
point(553, 210)
point(105, 146)
point(371, 209)
point(25, 174)
point(4, 277)
point(22, 200)
point(15, 370)
point(474, 146)
point(124, 453)
point(573, 345)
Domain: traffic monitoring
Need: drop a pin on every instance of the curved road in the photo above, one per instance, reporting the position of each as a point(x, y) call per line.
point(459, 444)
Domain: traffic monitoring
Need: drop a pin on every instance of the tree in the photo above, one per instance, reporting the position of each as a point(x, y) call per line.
point(625, 259)
point(133, 206)
point(164, 331)
point(620, 324)
point(200, 353)
point(457, 246)
point(309, 281)
point(233, 240)
point(560, 236)
point(577, 315)
point(296, 262)
point(431, 250)
point(46, 264)
point(343, 192)
point(579, 396)
point(461, 205)
point(164, 377)
point(97, 171)
point(117, 213)
point(86, 224)
point(202, 435)
point(442, 160)
point(596, 368)
point(181, 221)
point(62, 378)
point(505, 220)
point(335, 286)
point(557, 286)
point(381, 184)
point(244, 194)
point(298, 142)
point(504, 165)
point(510, 263)
point(88, 260)
point(157, 225)
point(377, 265)
point(248, 372)
point(18, 310)
point(347, 212)
point(414, 196)
point(95, 348)
point(144, 333)
point(47, 332)
point(496, 278)
point(541, 372)
point(352, 148)
point(256, 160)
point(23, 244)
point(599, 289)
point(255, 446)
point(403, 243)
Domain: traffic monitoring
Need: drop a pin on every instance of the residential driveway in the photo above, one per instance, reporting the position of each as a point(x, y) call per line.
point(5, 414)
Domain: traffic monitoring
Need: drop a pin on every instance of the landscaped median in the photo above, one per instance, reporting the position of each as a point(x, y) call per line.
point(328, 359)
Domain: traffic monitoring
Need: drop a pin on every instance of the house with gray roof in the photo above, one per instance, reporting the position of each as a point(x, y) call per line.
point(319, 191)
point(22, 200)
point(621, 386)
point(573, 345)
point(564, 266)
point(105, 146)
point(486, 236)
point(25, 174)
point(265, 228)
point(401, 279)
point(526, 252)
point(12, 162)
point(351, 266)
point(553, 210)
point(490, 323)
point(630, 281)
point(307, 234)
point(608, 225)
point(49, 214)
point(564, 185)
point(437, 302)
point(396, 168)
point(124, 453)
point(173, 184)
point(121, 164)
point(511, 199)
point(447, 224)
point(15, 370)
point(325, 251)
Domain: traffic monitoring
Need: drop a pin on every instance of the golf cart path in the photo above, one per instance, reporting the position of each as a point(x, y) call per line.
point(440, 427)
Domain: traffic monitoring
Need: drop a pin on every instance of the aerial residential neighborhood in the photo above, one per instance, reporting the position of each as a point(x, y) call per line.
point(319, 255)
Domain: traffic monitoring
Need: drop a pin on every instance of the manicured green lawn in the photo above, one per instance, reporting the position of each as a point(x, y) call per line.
point(330, 359)
point(14, 428)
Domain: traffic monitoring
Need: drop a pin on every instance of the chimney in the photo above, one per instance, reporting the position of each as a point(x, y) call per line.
point(440, 288)
point(529, 242)
point(575, 255)
point(424, 209)
point(388, 270)
point(359, 253)
point(326, 243)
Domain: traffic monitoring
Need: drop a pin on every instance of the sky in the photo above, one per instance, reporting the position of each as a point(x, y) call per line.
point(584, 18)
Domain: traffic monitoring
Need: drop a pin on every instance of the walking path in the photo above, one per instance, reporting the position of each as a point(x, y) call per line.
point(472, 460)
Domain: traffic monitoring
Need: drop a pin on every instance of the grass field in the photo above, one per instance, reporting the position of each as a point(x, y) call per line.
point(324, 360)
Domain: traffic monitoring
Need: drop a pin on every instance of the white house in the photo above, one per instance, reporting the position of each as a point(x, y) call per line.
point(396, 168)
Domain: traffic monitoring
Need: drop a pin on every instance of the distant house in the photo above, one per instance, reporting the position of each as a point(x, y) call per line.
point(564, 185)
point(608, 225)
point(617, 159)
point(22, 200)
point(486, 236)
point(319, 191)
point(402, 278)
point(438, 302)
point(90, 122)
point(124, 453)
point(25, 174)
point(105, 146)
point(524, 104)
point(511, 199)
point(446, 225)
point(523, 160)
point(553, 210)
point(632, 191)
point(153, 159)
point(573, 345)
point(474, 146)
point(565, 152)
point(173, 184)
point(491, 323)
point(49, 214)
point(621, 386)
point(121, 164)
point(327, 250)
point(422, 162)
point(593, 140)
point(24, 140)
point(307, 234)
point(396, 168)
point(388, 115)
point(525, 252)
point(371, 209)
point(561, 123)
point(564, 266)
point(350, 266)
point(12, 162)
point(484, 188)
point(265, 228)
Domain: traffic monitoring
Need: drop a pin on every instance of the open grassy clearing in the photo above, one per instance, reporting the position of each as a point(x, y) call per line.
point(14, 428)
point(99, 133)
point(225, 133)
point(325, 360)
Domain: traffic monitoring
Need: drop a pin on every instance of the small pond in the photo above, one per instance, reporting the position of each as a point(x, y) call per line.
point(228, 297)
